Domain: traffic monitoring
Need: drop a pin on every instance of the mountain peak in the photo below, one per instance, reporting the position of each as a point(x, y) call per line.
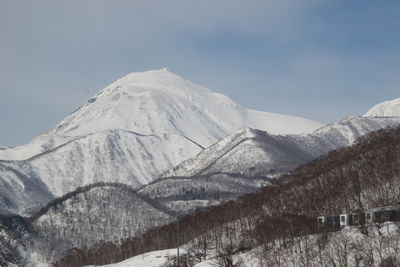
point(149, 75)
point(161, 102)
point(162, 79)
point(390, 108)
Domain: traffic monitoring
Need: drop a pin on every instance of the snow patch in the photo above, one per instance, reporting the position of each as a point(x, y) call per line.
point(152, 259)
point(385, 109)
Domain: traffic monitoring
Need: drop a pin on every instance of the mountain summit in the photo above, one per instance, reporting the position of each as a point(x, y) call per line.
point(159, 102)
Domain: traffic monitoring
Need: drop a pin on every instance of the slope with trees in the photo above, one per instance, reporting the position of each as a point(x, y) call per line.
point(358, 177)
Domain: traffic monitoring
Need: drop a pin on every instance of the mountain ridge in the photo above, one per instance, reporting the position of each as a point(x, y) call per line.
point(159, 102)
point(321, 141)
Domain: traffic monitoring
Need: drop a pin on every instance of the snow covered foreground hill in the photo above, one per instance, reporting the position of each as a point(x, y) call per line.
point(151, 259)
point(130, 132)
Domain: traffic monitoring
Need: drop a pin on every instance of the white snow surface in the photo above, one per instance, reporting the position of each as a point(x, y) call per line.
point(385, 109)
point(155, 103)
point(151, 259)
point(111, 156)
point(381, 242)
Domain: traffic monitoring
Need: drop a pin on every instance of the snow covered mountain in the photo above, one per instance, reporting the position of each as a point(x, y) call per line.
point(387, 108)
point(130, 132)
point(244, 161)
point(156, 103)
point(254, 152)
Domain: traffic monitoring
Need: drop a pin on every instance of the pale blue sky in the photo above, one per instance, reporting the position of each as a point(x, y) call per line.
point(323, 60)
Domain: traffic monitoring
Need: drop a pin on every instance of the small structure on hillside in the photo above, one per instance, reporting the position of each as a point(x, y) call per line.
point(375, 215)
point(332, 221)
point(349, 219)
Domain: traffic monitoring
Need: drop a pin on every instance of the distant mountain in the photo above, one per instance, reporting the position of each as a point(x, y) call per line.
point(255, 152)
point(248, 159)
point(158, 103)
point(387, 108)
point(130, 132)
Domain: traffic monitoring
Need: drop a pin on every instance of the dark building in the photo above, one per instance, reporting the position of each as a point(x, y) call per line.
point(375, 215)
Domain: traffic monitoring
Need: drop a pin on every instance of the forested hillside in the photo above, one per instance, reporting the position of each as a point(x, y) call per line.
point(102, 212)
point(364, 175)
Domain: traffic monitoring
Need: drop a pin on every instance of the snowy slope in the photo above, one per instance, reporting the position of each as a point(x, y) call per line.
point(151, 259)
point(156, 102)
point(38, 145)
point(111, 156)
point(186, 194)
point(254, 152)
point(98, 213)
point(91, 214)
point(108, 156)
point(387, 108)
point(346, 245)
point(21, 190)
